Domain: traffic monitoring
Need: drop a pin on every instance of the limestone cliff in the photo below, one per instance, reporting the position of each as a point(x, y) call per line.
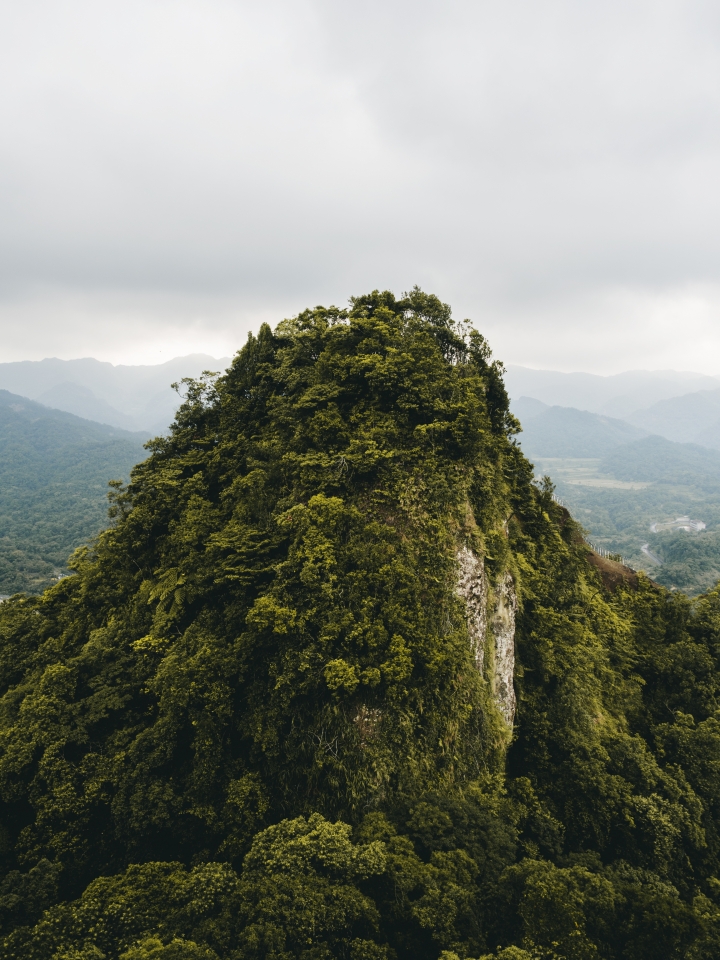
point(472, 589)
point(503, 631)
point(496, 607)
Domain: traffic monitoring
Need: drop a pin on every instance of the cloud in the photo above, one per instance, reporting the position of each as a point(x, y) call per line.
point(181, 170)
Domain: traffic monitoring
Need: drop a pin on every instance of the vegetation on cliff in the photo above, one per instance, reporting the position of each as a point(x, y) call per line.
point(257, 724)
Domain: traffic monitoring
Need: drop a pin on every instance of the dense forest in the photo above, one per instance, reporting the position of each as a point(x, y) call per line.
point(342, 681)
point(54, 470)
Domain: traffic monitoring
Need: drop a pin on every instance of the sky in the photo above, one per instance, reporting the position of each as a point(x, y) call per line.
point(175, 172)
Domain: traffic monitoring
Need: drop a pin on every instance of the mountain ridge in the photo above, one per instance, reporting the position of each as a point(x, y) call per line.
point(568, 432)
point(139, 396)
point(29, 409)
point(617, 395)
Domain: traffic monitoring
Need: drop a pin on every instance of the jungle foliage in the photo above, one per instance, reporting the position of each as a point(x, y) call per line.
point(252, 724)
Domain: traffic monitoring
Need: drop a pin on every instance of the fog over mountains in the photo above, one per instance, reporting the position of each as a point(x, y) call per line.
point(680, 406)
point(129, 397)
point(620, 395)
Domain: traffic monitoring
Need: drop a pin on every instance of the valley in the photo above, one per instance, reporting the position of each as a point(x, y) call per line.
point(630, 487)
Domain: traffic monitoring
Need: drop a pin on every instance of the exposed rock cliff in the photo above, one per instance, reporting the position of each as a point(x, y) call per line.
point(503, 630)
point(472, 588)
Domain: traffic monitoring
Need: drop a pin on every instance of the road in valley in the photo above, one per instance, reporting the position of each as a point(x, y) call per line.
point(648, 553)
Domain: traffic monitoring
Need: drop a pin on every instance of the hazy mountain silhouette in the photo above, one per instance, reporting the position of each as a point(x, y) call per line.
point(131, 397)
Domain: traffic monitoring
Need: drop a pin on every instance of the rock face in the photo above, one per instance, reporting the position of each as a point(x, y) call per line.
point(503, 630)
point(472, 588)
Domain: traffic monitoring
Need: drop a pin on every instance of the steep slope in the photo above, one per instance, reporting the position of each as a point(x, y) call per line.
point(334, 592)
point(54, 472)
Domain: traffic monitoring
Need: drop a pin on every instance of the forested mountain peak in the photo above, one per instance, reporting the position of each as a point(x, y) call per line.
point(339, 681)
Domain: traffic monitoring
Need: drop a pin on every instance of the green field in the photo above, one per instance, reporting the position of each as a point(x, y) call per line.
point(584, 472)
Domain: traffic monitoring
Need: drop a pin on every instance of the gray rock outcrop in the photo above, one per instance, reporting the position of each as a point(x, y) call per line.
point(472, 589)
point(496, 609)
point(503, 630)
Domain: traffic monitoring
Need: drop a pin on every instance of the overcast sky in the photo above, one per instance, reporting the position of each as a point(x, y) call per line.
point(173, 172)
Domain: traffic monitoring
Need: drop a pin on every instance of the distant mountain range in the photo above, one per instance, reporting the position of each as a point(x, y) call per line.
point(567, 432)
point(66, 427)
point(684, 407)
point(617, 396)
point(628, 479)
point(128, 397)
point(679, 406)
point(691, 418)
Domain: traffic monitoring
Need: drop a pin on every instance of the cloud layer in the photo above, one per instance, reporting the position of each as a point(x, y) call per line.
point(171, 173)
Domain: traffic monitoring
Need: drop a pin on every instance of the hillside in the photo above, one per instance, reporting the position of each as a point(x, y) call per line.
point(658, 460)
point(566, 432)
point(73, 398)
point(526, 408)
point(54, 472)
point(341, 682)
point(691, 418)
